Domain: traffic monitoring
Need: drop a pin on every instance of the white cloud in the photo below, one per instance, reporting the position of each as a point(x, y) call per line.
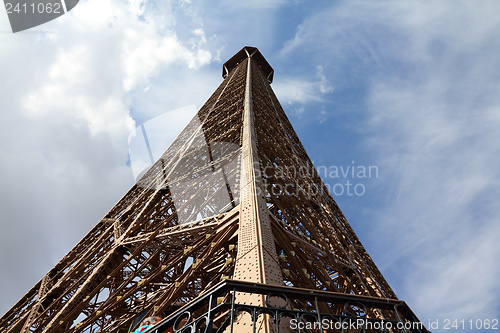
point(137, 7)
point(324, 86)
point(66, 114)
point(255, 4)
point(301, 90)
point(295, 90)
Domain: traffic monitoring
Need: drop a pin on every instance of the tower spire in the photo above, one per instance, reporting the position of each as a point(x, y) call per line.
point(257, 260)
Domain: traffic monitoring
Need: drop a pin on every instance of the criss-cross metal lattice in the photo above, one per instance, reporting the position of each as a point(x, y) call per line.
point(234, 197)
point(300, 309)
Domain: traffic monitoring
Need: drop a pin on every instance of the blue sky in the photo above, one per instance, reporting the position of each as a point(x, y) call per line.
point(411, 87)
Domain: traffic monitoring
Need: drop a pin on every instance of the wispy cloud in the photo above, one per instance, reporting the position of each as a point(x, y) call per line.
point(432, 112)
point(303, 90)
point(256, 4)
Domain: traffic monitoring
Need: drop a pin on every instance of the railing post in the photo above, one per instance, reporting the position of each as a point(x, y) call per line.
point(399, 318)
point(317, 310)
point(209, 314)
point(232, 308)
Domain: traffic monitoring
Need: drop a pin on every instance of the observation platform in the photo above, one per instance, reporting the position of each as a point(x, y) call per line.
point(249, 52)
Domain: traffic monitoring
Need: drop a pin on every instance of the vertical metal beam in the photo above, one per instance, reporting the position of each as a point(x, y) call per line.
point(257, 259)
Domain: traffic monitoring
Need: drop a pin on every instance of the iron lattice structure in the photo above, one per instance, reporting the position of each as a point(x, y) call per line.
point(232, 229)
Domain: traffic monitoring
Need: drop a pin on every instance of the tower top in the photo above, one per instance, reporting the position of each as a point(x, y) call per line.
point(249, 52)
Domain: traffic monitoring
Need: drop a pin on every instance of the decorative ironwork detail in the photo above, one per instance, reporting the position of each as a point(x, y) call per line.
point(305, 310)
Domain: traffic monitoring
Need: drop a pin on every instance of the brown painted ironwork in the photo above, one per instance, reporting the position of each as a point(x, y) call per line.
point(234, 198)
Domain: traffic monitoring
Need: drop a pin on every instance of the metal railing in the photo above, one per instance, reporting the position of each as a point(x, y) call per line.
point(289, 309)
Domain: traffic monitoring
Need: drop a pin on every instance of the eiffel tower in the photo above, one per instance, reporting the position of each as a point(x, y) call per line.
point(231, 230)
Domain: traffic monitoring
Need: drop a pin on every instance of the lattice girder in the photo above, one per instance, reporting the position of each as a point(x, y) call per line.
point(234, 198)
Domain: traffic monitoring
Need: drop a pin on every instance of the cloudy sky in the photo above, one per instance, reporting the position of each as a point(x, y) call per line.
point(409, 87)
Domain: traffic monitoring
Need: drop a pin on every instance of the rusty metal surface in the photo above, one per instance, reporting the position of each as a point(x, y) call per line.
point(234, 197)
